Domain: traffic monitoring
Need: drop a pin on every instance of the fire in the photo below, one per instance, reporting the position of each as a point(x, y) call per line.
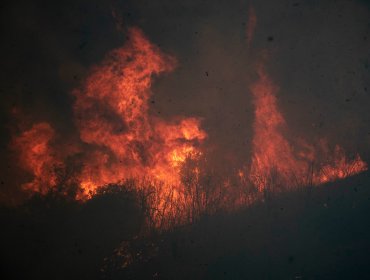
point(119, 137)
point(271, 151)
point(275, 161)
point(37, 157)
point(339, 167)
point(112, 114)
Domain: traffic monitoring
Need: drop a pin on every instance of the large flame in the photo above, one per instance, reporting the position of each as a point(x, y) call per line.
point(120, 139)
point(112, 114)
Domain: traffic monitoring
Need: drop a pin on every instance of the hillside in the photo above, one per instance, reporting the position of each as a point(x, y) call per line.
point(323, 233)
point(319, 233)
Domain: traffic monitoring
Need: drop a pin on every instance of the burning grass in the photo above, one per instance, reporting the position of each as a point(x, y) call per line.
point(119, 139)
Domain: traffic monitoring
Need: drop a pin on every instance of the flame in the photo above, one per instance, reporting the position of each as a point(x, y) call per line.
point(276, 162)
point(119, 139)
point(271, 151)
point(112, 115)
point(338, 167)
point(37, 157)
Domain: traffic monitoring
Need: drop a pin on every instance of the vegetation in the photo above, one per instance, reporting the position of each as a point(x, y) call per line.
point(306, 233)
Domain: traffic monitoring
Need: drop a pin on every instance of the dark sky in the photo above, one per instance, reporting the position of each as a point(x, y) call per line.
point(319, 56)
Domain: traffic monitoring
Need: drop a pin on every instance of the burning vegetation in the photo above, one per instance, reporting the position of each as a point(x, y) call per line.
point(276, 162)
point(122, 143)
point(121, 187)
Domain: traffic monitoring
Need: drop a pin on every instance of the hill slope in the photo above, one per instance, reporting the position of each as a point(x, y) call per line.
point(319, 233)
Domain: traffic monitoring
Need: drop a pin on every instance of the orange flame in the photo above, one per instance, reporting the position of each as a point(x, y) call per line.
point(37, 157)
point(274, 160)
point(112, 115)
point(120, 139)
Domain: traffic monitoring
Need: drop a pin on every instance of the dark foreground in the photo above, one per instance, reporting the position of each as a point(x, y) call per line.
point(320, 233)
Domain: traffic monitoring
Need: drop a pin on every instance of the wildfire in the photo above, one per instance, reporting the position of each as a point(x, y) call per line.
point(120, 139)
point(274, 160)
point(112, 114)
point(37, 157)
